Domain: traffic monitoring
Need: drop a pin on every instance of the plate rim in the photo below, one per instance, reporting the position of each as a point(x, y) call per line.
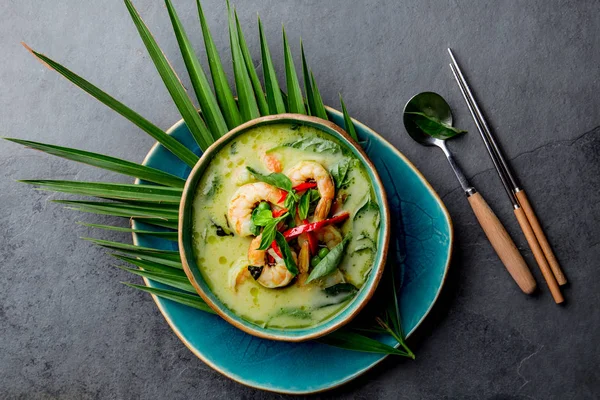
point(360, 372)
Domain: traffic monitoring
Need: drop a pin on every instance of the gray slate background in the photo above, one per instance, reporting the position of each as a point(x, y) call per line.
point(69, 330)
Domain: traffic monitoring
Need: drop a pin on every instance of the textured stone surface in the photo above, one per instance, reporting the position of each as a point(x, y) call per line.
point(68, 330)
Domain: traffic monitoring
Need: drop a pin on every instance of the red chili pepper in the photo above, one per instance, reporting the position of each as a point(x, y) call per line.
point(313, 243)
point(283, 196)
point(305, 186)
point(279, 213)
point(276, 249)
point(314, 226)
point(298, 188)
point(270, 259)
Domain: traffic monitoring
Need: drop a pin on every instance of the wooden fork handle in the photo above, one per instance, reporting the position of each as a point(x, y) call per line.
point(541, 237)
point(539, 255)
point(502, 244)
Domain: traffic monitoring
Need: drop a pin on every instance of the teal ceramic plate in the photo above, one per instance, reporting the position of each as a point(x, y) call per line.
point(421, 243)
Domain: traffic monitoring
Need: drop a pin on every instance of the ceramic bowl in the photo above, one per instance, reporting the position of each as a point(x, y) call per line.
point(187, 251)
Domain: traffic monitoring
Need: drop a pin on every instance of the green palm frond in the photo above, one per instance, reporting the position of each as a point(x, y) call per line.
point(224, 96)
point(169, 235)
point(294, 93)
point(258, 91)
point(181, 298)
point(175, 147)
point(115, 191)
point(313, 97)
point(206, 98)
point(348, 124)
point(180, 97)
point(157, 203)
point(246, 98)
point(106, 162)
point(273, 92)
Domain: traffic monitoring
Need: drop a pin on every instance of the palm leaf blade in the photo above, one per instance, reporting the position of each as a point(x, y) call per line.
point(261, 101)
point(169, 142)
point(348, 124)
point(295, 101)
point(169, 235)
point(178, 282)
point(150, 265)
point(313, 97)
point(180, 97)
point(349, 340)
point(246, 99)
point(106, 162)
point(273, 92)
point(122, 209)
point(208, 102)
point(182, 298)
point(145, 193)
point(222, 90)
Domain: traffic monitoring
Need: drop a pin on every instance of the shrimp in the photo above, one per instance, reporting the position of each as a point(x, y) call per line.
point(271, 276)
point(238, 273)
point(313, 171)
point(271, 162)
point(303, 261)
point(330, 235)
point(245, 199)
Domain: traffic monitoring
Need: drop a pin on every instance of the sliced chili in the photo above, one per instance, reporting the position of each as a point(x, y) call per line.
point(278, 213)
point(305, 186)
point(276, 249)
point(314, 226)
point(298, 188)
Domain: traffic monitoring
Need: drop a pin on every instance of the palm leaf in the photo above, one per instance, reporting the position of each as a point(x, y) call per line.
point(348, 124)
point(206, 98)
point(222, 90)
point(166, 257)
point(151, 265)
point(169, 235)
point(106, 162)
point(117, 191)
point(246, 99)
point(273, 92)
point(178, 282)
point(349, 340)
point(313, 97)
point(180, 97)
point(321, 113)
point(152, 215)
point(295, 100)
point(182, 298)
point(174, 146)
point(261, 101)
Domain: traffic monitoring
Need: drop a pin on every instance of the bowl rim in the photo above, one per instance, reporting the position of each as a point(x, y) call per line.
point(378, 268)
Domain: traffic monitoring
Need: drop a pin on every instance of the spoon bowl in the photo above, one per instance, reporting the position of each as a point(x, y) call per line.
point(431, 104)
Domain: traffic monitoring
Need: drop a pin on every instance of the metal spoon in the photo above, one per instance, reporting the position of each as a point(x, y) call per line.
point(433, 104)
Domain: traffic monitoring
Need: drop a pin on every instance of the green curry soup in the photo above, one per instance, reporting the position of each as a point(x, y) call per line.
point(317, 273)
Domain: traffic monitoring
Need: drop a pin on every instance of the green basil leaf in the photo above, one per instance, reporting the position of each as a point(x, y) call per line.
point(290, 264)
point(330, 262)
point(340, 288)
point(315, 144)
point(434, 127)
point(339, 172)
point(304, 205)
point(268, 233)
point(261, 217)
point(290, 201)
point(275, 179)
point(314, 195)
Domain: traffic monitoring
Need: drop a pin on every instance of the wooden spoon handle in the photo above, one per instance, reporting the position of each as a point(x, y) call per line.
point(539, 256)
point(541, 237)
point(502, 243)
